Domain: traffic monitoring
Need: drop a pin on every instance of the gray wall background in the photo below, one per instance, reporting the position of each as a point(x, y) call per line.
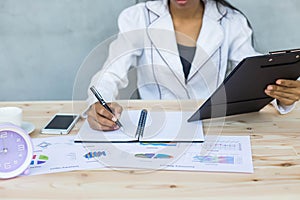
point(44, 42)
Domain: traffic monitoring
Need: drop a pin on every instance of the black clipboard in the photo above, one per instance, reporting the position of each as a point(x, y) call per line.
point(243, 89)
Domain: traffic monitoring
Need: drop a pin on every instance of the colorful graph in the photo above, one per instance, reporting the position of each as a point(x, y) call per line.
point(153, 155)
point(39, 160)
point(158, 144)
point(95, 154)
point(214, 159)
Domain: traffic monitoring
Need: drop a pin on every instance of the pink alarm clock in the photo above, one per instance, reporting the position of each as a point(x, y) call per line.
point(16, 151)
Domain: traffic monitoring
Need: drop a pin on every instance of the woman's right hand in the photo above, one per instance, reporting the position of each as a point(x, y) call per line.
point(101, 119)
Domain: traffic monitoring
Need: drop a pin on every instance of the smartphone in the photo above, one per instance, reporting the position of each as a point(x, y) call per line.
point(60, 124)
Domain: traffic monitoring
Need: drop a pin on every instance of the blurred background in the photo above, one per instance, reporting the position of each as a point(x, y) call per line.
point(43, 43)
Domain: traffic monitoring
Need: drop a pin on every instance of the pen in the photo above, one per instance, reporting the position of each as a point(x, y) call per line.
point(103, 103)
point(141, 124)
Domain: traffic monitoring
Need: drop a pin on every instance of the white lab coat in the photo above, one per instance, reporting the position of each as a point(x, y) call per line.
point(147, 41)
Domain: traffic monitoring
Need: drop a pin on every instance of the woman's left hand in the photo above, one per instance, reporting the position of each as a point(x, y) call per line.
point(286, 92)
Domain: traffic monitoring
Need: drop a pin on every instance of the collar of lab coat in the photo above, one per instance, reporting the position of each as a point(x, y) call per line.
point(210, 8)
point(209, 41)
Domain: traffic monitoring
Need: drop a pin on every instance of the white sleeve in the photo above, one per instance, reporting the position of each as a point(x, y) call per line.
point(281, 108)
point(241, 44)
point(123, 52)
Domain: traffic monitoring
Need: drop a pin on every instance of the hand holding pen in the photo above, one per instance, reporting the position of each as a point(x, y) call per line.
point(102, 115)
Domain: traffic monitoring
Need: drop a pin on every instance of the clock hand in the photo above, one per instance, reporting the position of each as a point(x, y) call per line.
point(4, 149)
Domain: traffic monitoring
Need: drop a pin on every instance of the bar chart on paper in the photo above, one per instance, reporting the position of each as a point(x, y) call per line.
point(222, 154)
point(214, 159)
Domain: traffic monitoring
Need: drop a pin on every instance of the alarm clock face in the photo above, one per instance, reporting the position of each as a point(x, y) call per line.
point(15, 153)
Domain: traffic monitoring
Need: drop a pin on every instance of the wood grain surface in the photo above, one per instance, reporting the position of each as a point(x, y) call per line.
point(275, 141)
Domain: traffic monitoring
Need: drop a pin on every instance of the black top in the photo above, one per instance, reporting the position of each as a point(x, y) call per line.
point(186, 54)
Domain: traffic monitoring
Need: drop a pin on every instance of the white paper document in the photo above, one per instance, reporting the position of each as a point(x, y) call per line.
point(216, 154)
point(60, 154)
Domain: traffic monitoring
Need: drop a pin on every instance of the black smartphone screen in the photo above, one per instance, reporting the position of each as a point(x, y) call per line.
point(61, 122)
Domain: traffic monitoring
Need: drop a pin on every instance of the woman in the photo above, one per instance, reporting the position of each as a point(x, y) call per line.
point(183, 50)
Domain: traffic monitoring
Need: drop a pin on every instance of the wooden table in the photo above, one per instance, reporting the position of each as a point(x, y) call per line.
point(276, 156)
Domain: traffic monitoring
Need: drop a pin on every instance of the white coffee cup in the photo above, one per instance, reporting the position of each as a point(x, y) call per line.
point(11, 115)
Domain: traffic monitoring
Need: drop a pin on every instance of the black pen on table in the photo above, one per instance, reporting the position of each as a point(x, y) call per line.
point(103, 103)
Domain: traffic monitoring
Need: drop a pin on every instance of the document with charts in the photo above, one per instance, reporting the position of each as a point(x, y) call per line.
point(216, 154)
point(60, 154)
point(147, 126)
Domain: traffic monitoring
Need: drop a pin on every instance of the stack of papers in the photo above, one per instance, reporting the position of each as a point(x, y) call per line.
point(216, 154)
